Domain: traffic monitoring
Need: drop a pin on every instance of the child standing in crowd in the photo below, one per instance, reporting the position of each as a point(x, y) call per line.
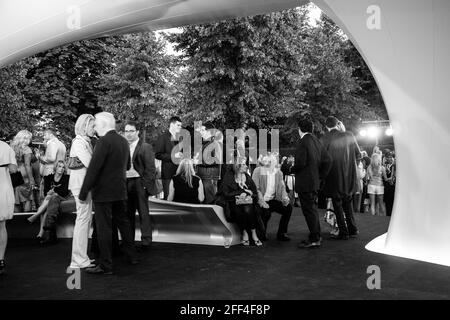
point(376, 172)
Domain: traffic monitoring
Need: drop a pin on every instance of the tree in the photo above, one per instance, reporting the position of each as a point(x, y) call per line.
point(241, 71)
point(67, 81)
point(16, 114)
point(332, 87)
point(139, 86)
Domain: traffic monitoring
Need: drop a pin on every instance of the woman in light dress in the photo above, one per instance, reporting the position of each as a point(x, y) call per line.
point(8, 165)
point(82, 149)
point(24, 193)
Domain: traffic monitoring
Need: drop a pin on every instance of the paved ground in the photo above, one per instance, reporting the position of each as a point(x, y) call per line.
point(274, 271)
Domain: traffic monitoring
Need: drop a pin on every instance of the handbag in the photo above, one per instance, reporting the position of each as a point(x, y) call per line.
point(244, 200)
point(17, 179)
point(74, 163)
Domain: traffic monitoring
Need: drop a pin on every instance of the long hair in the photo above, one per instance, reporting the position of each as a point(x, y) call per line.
point(18, 142)
point(236, 167)
point(57, 164)
point(186, 170)
point(375, 162)
point(82, 124)
point(240, 161)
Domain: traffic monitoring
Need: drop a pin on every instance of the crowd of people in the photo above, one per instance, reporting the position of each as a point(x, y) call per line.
point(114, 173)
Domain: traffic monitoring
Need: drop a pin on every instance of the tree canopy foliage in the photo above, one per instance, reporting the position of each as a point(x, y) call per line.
point(261, 71)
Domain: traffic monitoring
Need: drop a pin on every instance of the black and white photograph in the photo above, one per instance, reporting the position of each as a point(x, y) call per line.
point(224, 156)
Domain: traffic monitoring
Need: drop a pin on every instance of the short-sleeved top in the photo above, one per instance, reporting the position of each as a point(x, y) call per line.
point(61, 187)
point(183, 192)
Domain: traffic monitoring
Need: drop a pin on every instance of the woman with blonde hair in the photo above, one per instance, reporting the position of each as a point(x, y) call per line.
point(185, 186)
point(24, 192)
point(79, 159)
point(56, 190)
point(241, 194)
point(376, 172)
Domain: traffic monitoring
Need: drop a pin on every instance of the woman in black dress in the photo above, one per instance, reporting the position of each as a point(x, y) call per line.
point(185, 186)
point(241, 194)
point(56, 189)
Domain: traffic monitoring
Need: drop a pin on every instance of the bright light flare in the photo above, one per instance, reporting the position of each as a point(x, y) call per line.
point(373, 132)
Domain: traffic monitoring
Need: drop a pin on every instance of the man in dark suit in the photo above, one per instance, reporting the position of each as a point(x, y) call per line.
point(163, 151)
point(211, 160)
point(311, 164)
point(106, 177)
point(140, 182)
point(342, 180)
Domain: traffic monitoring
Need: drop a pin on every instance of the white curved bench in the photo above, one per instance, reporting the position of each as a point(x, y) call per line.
point(191, 223)
point(172, 222)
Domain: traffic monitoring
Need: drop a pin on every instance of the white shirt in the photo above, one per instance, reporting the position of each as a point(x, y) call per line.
point(133, 173)
point(55, 151)
point(270, 189)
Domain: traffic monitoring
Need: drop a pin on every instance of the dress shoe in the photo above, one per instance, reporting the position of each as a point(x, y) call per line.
point(283, 237)
point(340, 237)
point(133, 261)
point(98, 270)
point(310, 244)
point(354, 235)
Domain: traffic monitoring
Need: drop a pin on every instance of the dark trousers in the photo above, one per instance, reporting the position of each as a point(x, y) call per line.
point(166, 183)
point(107, 213)
point(245, 215)
point(364, 196)
point(309, 208)
point(210, 189)
point(277, 206)
point(138, 200)
point(53, 207)
point(389, 194)
point(94, 251)
point(346, 223)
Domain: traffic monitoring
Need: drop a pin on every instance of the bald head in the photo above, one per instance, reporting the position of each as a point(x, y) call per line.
point(104, 122)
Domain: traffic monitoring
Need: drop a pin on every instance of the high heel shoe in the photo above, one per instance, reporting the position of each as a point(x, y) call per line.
point(246, 242)
point(258, 242)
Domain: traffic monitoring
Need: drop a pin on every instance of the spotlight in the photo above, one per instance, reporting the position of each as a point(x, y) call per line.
point(389, 132)
point(363, 133)
point(373, 132)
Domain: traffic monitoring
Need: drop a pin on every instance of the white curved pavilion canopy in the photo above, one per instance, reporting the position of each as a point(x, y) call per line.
point(406, 44)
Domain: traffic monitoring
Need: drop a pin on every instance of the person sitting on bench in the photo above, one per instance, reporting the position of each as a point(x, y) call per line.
point(272, 195)
point(56, 189)
point(185, 186)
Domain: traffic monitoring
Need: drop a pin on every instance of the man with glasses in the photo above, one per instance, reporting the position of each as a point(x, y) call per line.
point(140, 182)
